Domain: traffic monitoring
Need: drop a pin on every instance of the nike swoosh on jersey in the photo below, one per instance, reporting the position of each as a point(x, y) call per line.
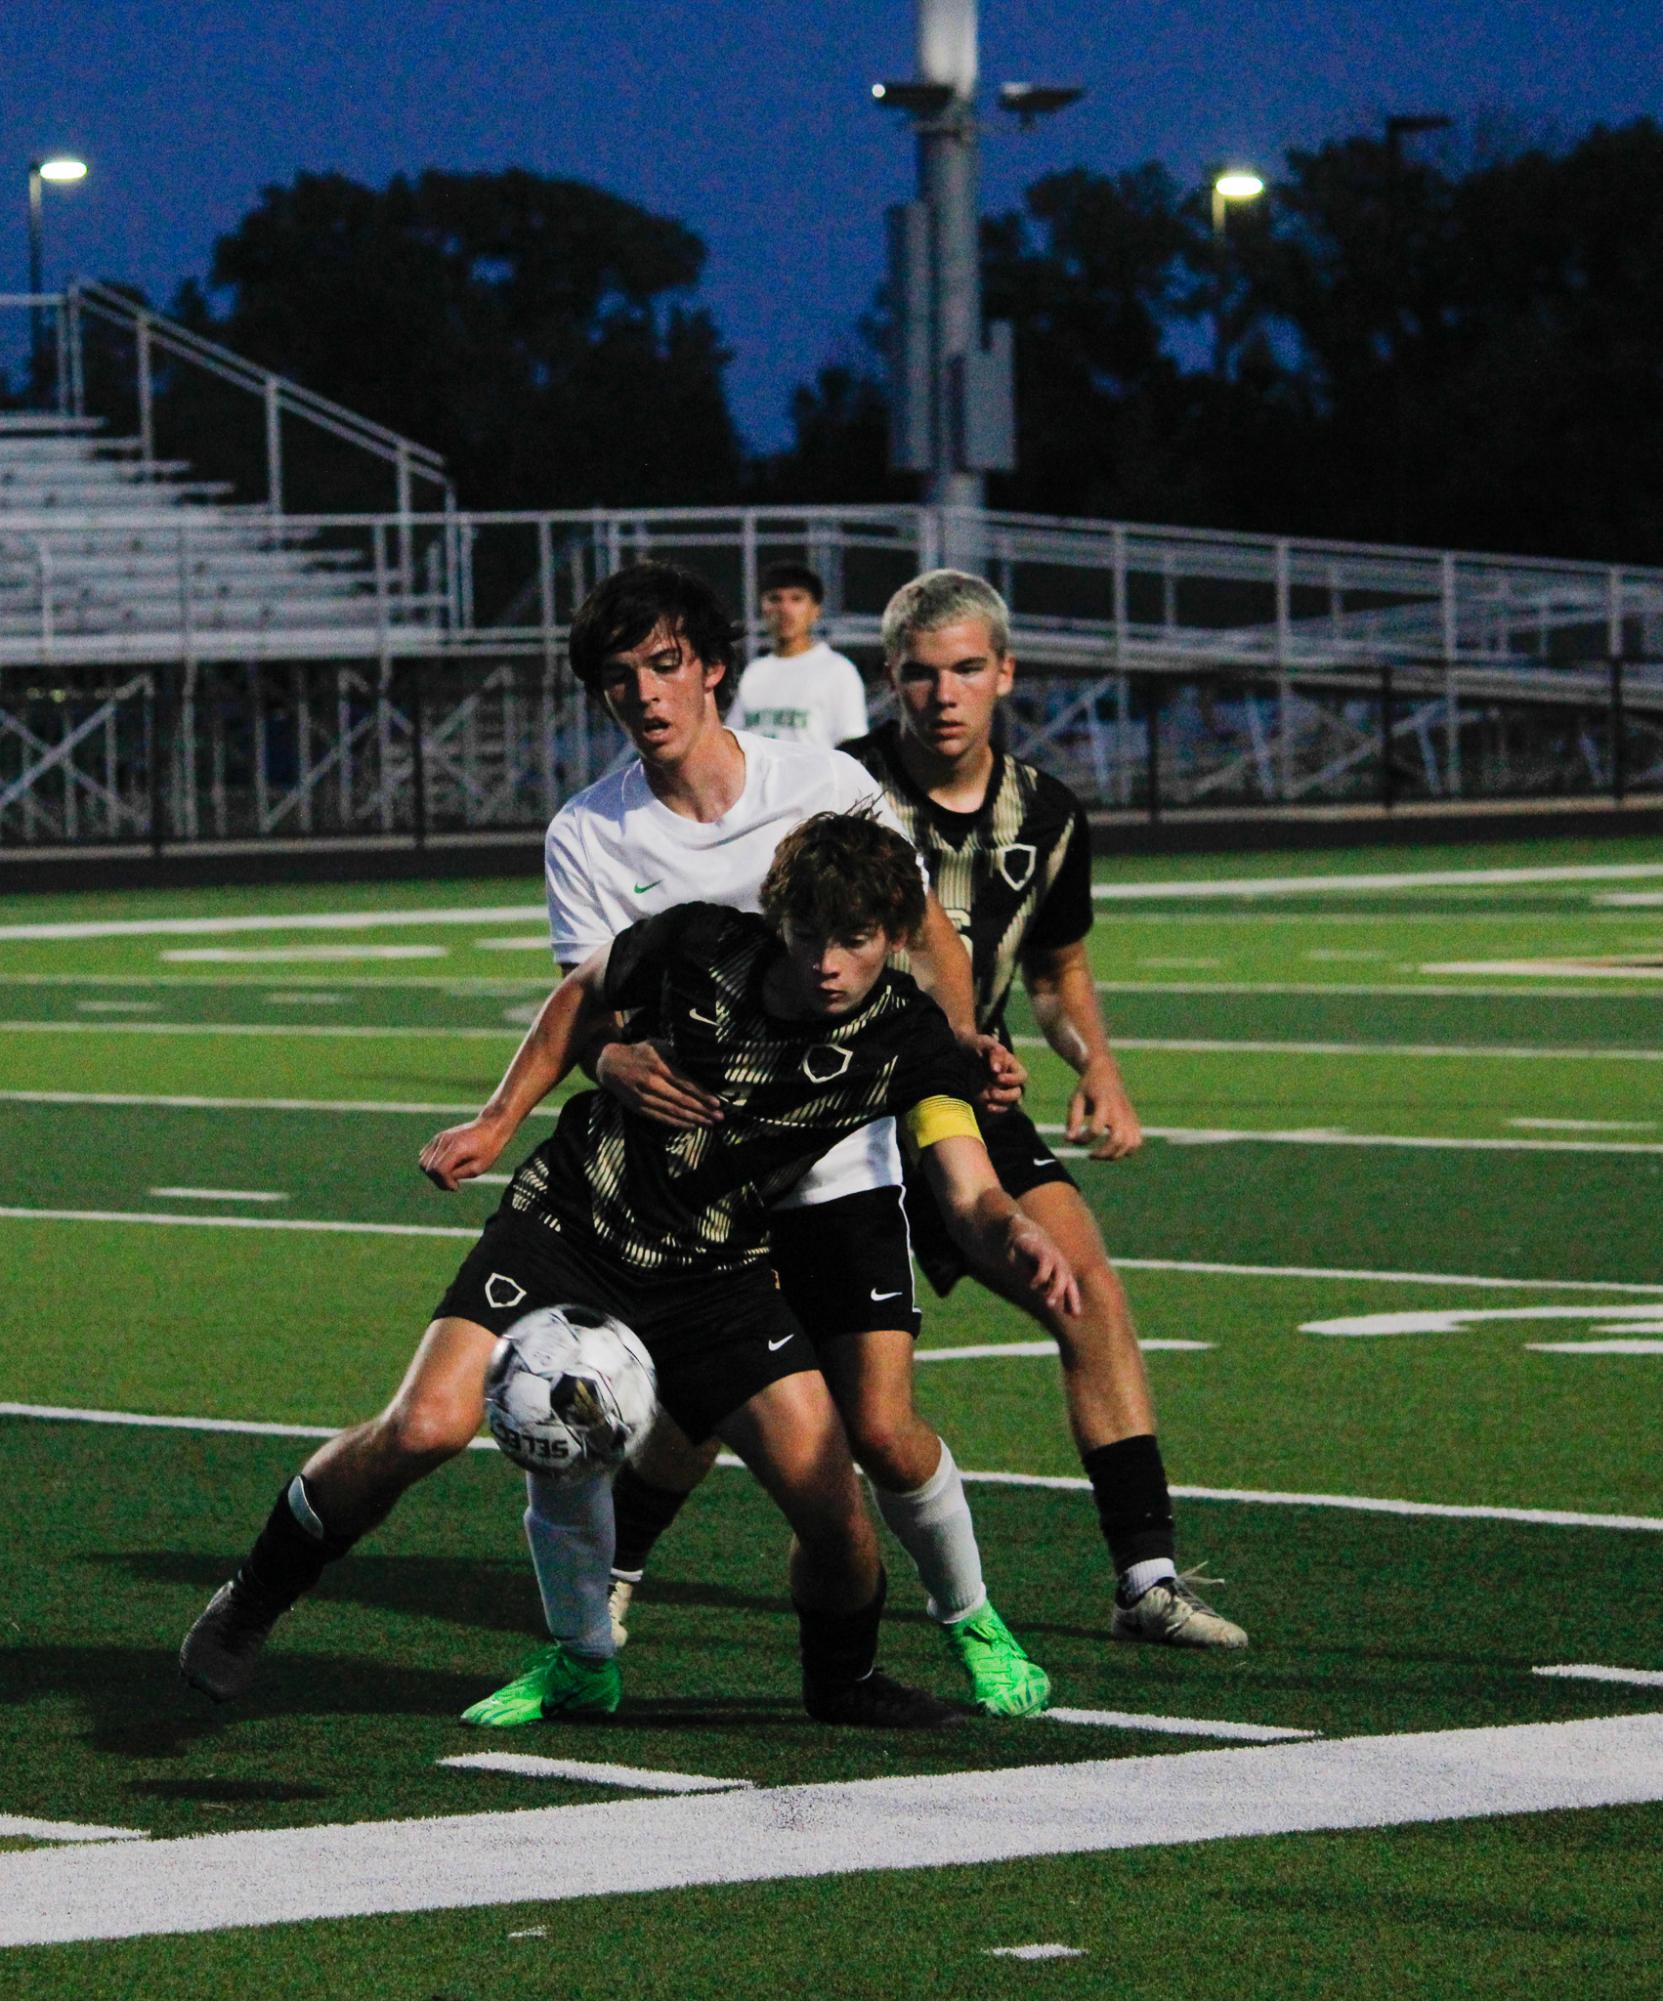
point(888, 1295)
point(641, 888)
point(780, 1343)
point(709, 1020)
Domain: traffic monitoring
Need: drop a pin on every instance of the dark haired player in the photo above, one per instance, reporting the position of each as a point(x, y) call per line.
point(698, 815)
point(801, 692)
point(1009, 855)
point(796, 1024)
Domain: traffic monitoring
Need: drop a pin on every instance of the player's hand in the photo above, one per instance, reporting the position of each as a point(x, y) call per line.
point(1005, 1074)
point(461, 1152)
point(1101, 1114)
point(1037, 1258)
point(642, 1078)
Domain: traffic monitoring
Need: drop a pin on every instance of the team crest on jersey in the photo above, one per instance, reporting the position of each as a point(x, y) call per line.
point(502, 1292)
point(1016, 863)
point(825, 1062)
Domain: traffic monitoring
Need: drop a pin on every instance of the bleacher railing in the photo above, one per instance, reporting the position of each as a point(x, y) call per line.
point(427, 691)
point(419, 476)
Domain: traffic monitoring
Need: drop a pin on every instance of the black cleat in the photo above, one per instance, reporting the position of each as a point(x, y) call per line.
point(878, 1703)
point(222, 1649)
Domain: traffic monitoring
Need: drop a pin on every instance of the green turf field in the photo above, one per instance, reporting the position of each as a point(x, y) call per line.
point(1399, 1201)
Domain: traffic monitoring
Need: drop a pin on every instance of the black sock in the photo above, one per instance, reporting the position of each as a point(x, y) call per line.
point(642, 1513)
point(841, 1647)
point(287, 1559)
point(1128, 1482)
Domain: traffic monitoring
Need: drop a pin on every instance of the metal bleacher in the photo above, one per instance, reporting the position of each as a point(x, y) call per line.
point(182, 662)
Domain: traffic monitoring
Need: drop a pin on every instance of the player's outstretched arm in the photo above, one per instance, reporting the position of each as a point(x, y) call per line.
point(988, 1226)
point(1065, 1003)
point(551, 1047)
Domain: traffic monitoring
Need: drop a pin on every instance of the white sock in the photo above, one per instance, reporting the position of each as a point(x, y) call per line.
point(1136, 1579)
point(568, 1524)
point(932, 1524)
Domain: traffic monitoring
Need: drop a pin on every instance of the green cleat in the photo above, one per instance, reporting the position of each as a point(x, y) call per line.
point(552, 1682)
point(1003, 1681)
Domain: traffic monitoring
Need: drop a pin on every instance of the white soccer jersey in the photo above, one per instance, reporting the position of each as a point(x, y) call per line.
point(614, 853)
point(813, 697)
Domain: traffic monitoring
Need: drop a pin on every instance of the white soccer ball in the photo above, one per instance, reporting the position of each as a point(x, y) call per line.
point(569, 1392)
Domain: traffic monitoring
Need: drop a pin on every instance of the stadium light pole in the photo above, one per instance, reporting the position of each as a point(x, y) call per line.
point(952, 414)
point(1235, 184)
point(62, 170)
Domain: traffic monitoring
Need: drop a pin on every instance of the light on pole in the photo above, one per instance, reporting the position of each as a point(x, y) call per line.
point(1235, 184)
point(952, 412)
point(62, 170)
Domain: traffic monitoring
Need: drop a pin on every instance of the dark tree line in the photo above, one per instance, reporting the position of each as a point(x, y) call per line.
point(1463, 352)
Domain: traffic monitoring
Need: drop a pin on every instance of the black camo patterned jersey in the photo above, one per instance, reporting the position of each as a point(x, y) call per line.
point(1014, 876)
point(675, 1202)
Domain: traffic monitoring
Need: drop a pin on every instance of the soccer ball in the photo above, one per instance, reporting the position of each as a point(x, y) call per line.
point(569, 1392)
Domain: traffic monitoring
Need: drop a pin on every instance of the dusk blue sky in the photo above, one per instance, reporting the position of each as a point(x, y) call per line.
point(751, 123)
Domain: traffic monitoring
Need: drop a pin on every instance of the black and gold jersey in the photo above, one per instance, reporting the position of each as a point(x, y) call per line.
point(1014, 876)
point(666, 1201)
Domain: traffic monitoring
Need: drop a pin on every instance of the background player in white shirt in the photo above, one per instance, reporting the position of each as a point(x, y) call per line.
point(801, 692)
point(698, 816)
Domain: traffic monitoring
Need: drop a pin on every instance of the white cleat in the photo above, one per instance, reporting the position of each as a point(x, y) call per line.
point(1172, 1614)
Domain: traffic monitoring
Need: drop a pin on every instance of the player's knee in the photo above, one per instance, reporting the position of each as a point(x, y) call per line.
point(426, 1431)
point(891, 1447)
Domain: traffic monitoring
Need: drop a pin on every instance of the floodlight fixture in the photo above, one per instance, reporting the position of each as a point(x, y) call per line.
point(62, 170)
point(922, 100)
point(1238, 184)
point(1029, 101)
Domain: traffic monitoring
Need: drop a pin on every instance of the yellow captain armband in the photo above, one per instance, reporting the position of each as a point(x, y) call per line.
point(933, 1119)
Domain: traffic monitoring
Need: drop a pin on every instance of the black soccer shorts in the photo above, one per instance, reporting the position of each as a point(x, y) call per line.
point(716, 1338)
point(845, 1267)
point(1021, 1159)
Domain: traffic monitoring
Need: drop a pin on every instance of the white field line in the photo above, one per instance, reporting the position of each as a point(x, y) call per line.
point(464, 986)
point(1035, 1951)
point(288, 1030)
point(1205, 1267)
point(1210, 1267)
point(1329, 1136)
point(1372, 989)
point(329, 920)
point(216, 1194)
point(1179, 1045)
point(1205, 1045)
point(296, 955)
point(1005, 1350)
point(1308, 885)
point(181, 1101)
point(1530, 969)
point(1070, 1483)
point(581, 1772)
point(1173, 1726)
point(160, 1219)
point(1595, 1347)
point(1635, 1677)
point(22, 1827)
point(117, 1007)
point(1459, 1319)
point(291, 1875)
